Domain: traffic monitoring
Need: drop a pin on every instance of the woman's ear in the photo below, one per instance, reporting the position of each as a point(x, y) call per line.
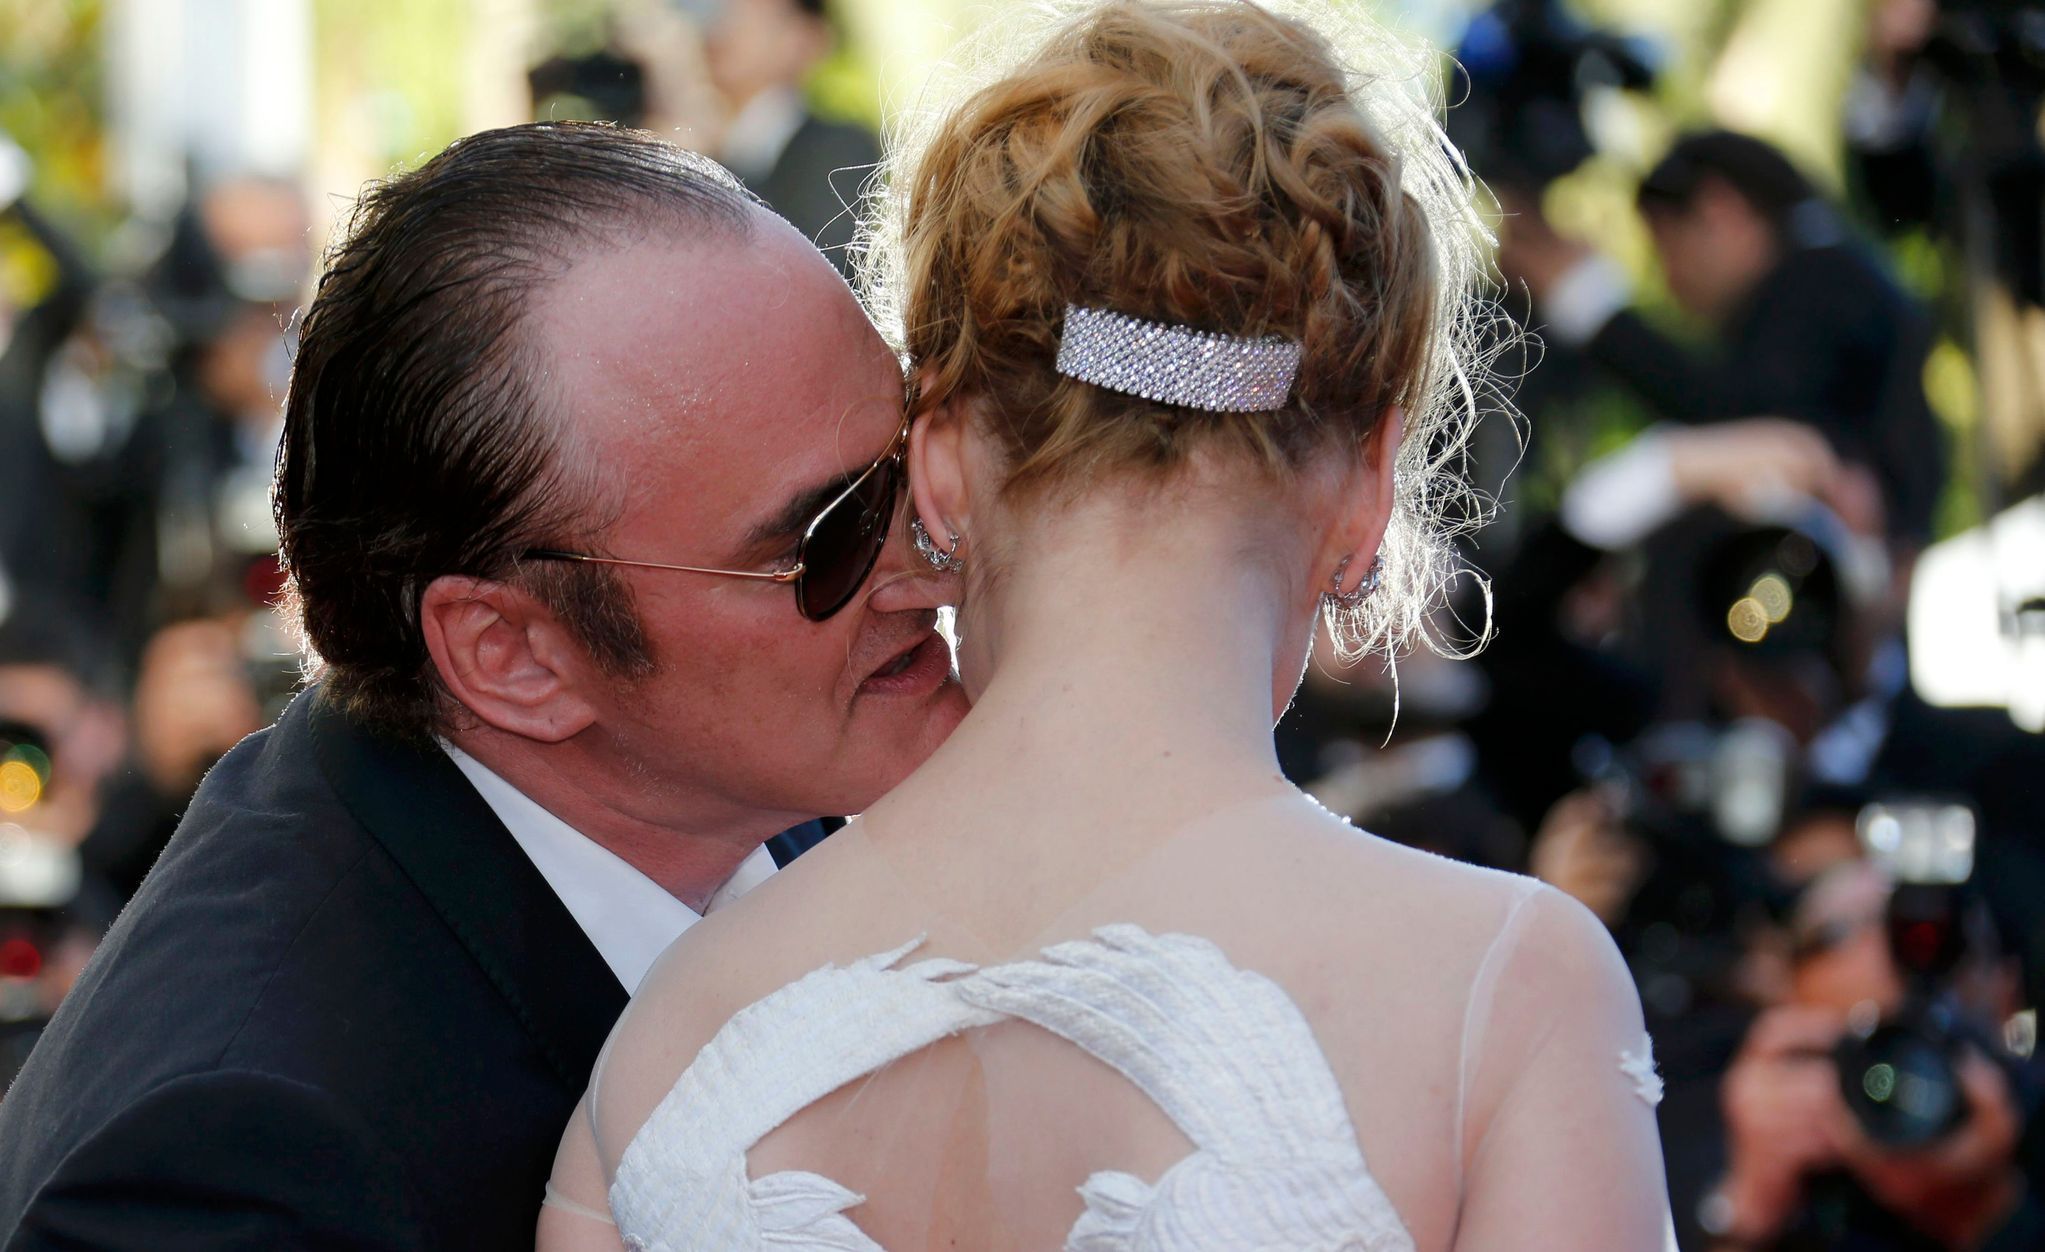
point(1365, 508)
point(938, 490)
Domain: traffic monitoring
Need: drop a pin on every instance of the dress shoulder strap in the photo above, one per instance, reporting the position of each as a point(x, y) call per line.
point(1228, 1056)
point(762, 1068)
point(1224, 1052)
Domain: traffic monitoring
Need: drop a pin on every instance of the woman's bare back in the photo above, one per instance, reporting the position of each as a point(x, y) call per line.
point(1450, 1005)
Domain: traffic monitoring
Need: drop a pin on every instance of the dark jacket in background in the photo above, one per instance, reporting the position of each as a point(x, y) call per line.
point(344, 1011)
point(815, 184)
point(1826, 338)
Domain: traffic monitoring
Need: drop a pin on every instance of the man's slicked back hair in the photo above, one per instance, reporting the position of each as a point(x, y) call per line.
point(420, 435)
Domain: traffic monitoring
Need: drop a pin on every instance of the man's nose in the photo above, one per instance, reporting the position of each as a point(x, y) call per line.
point(903, 582)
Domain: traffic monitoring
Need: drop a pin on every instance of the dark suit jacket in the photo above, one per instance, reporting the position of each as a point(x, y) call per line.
point(343, 1011)
point(819, 174)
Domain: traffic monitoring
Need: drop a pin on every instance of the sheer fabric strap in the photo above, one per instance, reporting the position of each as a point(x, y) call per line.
point(1477, 1010)
point(554, 1199)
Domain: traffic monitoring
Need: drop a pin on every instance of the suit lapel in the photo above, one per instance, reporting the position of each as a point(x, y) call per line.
point(453, 848)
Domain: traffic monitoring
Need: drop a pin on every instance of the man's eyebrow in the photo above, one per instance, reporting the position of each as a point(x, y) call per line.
point(799, 511)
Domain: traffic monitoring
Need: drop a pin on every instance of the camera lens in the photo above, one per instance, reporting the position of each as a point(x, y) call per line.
point(1901, 1083)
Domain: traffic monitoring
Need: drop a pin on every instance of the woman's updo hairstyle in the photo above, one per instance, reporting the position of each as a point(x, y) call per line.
point(1212, 164)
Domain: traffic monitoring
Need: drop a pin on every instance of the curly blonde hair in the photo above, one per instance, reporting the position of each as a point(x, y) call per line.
point(1214, 164)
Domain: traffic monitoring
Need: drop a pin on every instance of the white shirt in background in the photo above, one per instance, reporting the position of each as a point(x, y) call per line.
point(760, 132)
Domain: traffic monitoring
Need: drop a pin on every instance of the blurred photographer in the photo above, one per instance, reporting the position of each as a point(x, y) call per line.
point(198, 693)
point(1806, 1167)
point(1599, 630)
point(54, 418)
point(61, 742)
point(808, 168)
point(1807, 322)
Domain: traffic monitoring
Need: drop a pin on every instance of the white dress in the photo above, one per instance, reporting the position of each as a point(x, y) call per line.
point(1224, 1052)
point(1266, 1154)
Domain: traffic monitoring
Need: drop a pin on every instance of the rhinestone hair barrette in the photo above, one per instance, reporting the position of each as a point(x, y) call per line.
point(1195, 369)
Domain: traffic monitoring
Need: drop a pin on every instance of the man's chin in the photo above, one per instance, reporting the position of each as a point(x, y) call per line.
point(918, 730)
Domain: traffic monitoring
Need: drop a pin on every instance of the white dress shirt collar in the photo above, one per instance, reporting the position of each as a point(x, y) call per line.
point(630, 918)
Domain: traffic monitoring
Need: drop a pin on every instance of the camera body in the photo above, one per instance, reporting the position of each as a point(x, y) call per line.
point(1524, 70)
point(39, 877)
point(1700, 800)
point(1900, 1075)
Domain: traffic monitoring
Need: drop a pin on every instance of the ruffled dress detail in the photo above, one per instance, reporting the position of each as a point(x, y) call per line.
point(1225, 1054)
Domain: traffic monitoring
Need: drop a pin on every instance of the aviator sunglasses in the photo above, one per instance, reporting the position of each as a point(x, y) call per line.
point(839, 547)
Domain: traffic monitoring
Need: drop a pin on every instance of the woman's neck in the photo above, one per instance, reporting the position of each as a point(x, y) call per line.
point(1128, 650)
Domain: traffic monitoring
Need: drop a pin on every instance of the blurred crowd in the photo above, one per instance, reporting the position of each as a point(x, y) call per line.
point(141, 389)
point(1700, 707)
point(1700, 712)
point(138, 422)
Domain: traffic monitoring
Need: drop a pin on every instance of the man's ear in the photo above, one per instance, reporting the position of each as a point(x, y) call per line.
point(938, 492)
point(1364, 509)
point(505, 658)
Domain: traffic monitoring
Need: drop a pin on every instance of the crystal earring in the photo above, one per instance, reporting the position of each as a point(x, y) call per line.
point(1352, 600)
point(944, 561)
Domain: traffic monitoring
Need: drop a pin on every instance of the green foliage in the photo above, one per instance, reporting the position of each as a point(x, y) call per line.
point(51, 94)
point(846, 87)
point(51, 105)
point(389, 80)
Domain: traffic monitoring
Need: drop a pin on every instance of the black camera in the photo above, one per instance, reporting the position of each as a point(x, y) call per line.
point(39, 877)
point(1701, 800)
point(1693, 780)
point(1524, 70)
point(1900, 1075)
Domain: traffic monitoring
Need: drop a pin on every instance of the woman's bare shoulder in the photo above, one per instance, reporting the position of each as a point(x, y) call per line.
point(1326, 853)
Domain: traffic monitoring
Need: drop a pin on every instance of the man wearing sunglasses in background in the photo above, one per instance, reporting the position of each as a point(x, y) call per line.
point(589, 495)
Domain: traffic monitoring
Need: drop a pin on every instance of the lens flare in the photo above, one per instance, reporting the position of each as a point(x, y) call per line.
point(1771, 592)
point(20, 786)
point(1747, 620)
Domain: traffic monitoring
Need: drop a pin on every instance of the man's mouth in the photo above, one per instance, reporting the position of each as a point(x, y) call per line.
point(897, 665)
point(919, 668)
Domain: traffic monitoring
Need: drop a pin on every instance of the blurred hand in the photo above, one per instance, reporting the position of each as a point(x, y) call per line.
point(1751, 463)
point(1855, 494)
point(1530, 250)
point(1958, 1189)
point(193, 701)
point(1782, 1113)
point(1581, 849)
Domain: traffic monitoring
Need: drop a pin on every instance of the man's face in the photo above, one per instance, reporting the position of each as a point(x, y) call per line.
point(753, 45)
point(1841, 926)
point(1713, 251)
point(725, 390)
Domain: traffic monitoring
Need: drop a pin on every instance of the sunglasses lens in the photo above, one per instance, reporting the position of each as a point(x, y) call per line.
point(846, 541)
